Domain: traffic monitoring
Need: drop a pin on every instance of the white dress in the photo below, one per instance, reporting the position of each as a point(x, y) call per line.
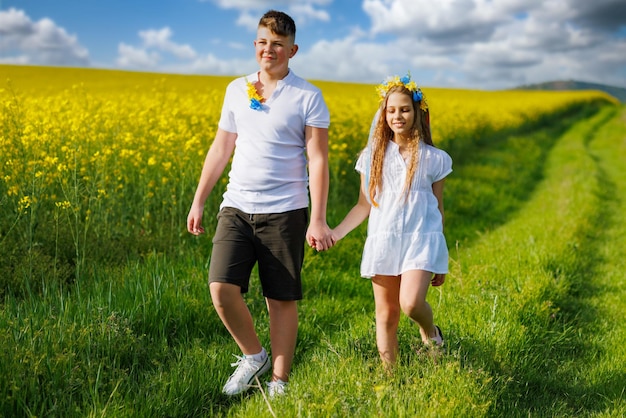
point(406, 233)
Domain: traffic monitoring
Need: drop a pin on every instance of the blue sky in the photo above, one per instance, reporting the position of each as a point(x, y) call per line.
point(486, 44)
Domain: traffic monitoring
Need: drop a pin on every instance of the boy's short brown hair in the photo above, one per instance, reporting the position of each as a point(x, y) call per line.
point(279, 23)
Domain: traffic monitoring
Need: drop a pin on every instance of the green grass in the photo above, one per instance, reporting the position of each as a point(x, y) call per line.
point(535, 225)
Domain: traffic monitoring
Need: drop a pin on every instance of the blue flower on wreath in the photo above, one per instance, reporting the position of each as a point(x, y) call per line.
point(255, 104)
point(256, 101)
point(406, 82)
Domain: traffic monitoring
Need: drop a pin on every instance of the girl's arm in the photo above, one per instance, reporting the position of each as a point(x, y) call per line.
point(439, 279)
point(438, 192)
point(359, 212)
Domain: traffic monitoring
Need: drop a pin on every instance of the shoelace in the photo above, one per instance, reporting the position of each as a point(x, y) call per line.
point(241, 364)
point(276, 388)
point(239, 361)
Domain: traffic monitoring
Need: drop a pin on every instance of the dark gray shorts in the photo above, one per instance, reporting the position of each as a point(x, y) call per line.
point(276, 241)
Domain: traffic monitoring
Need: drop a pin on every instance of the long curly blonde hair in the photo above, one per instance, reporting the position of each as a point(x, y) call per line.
point(382, 134)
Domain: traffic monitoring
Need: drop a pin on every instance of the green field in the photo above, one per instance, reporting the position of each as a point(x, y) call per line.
point(532, 308)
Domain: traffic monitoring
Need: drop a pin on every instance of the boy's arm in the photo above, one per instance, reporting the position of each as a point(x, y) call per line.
point(318, 233)
point(359, 212)
point(216, 160)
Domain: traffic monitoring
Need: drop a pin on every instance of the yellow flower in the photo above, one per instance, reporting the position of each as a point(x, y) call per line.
point(255, 98)
point(24, 203)
point(63, 205)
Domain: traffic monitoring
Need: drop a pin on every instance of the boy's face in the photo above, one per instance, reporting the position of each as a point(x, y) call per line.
point(273, 51)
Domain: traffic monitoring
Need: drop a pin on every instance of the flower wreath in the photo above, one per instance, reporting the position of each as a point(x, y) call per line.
point(406, 82)
point(256, 101)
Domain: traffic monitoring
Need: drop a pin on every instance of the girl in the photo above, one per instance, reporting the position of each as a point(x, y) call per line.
point(402, 177)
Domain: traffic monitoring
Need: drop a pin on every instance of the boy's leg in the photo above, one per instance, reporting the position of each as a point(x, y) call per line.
point(413, 289)
point(281, 253)
point(232, 259)
point(235, 315)
point(386, 296)
point(283, 335)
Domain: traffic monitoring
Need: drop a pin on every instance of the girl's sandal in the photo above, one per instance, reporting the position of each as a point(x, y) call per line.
point(438, 340)
point(433, 346)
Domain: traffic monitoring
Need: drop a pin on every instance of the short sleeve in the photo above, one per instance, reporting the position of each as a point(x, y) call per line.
point(317, 116)
point(227, 118)
point(443, 166)
point(363, 161)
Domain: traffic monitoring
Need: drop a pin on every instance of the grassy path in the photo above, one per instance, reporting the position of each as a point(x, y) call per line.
point(604, 375)
point(528, 309)
point(555, 278)
point(524, 332)
point(532, 310)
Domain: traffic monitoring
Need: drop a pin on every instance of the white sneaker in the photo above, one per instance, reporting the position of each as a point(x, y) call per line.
point(276, 388)
point(247, 369)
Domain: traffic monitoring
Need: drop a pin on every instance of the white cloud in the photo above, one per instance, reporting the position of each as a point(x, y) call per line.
point(449, 43)
point(266, 4)
point(210, 64)
point(160, 39)
point(158, 52)
point(248, 20)
point(148, 55)
point(499, 44)
point(250, 11)
point(16, 60)
point(458, 20)
point(131, 57)
point(250, 4)
point(344, 59)
point(23, 41)
point(305, 12)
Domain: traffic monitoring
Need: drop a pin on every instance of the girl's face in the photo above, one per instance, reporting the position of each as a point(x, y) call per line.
point(400, 114)
point(273, 51)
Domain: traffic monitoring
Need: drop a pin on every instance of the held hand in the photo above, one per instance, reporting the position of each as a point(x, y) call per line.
point(318, 246)
point(334, 236)
point(438, 279)
point(318, 236)
point(194, 221)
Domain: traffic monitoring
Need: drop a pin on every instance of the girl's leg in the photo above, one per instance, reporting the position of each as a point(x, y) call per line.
point(386, 297)
point(413, 289)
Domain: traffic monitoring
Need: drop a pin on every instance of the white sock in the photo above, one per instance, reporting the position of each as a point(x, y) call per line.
point(259, 356)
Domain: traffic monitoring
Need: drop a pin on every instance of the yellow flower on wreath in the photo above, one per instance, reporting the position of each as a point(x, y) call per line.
point(256, 101)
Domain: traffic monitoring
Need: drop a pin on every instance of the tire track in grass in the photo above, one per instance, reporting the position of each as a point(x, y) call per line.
point(603, 370)
point(496, 177)
point(524, 326)
point(588, 372)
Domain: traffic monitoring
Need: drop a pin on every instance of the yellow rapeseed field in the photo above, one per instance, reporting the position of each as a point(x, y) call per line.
point(112, 151)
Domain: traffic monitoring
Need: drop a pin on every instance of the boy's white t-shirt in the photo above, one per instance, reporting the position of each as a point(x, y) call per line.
point(269, 167)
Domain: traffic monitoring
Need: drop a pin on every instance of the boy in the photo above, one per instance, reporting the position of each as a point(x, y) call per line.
point(268, 120)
